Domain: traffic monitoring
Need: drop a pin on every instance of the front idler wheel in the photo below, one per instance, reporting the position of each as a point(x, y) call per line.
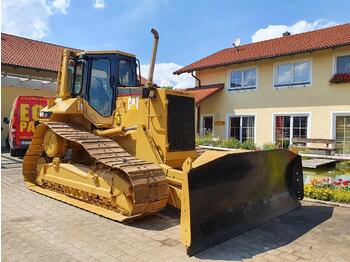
point(54, 145)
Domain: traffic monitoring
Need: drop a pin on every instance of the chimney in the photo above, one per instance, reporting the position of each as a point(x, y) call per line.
point(286, 33)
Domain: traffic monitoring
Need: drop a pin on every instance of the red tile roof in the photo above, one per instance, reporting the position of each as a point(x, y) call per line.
point(203, 92)
point(305, 42)
point(143, 81)
point(24, 52)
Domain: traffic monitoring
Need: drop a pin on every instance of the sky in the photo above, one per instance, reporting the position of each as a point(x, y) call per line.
point(189, 30)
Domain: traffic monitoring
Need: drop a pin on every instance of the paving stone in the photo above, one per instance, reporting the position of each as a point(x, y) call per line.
point(287, 256)
point(99, 254)
point(37, 228)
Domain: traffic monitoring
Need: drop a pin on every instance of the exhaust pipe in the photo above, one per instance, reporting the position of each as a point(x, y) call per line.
point(62, 76)
point(153, 60)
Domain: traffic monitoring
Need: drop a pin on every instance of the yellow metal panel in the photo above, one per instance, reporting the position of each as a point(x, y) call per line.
point(89, 207)
point(185, 219)
point(212, 155)
point(175, 196)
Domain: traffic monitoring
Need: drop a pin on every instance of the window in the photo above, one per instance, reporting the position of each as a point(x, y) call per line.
point(100, 91)
point(288, 127)
point(293, 73)
point(243, 79)
point(207, 125)
point(343, 64)
point(75, 77)
point(242, 128)
point(342, 134)
point(127, 74)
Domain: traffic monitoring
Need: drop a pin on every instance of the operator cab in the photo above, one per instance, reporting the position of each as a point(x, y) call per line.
point(97, 77)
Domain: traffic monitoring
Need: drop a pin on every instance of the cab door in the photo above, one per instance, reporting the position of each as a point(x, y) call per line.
point(100, 89)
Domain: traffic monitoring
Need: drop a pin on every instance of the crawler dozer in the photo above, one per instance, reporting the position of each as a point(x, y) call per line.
point(109, 145)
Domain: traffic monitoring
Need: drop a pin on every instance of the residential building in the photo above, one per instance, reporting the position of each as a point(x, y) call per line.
point(279, 89)
point(201, 93)
point(28, 67)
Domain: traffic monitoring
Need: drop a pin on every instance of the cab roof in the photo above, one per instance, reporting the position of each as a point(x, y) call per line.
point(108, 52)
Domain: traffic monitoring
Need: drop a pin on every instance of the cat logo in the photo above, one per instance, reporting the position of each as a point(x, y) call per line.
point(133, 103)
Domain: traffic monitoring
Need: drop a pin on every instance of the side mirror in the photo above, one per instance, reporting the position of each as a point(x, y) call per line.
point(6, 120)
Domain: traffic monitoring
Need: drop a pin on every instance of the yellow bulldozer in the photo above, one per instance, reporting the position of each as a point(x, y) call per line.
point(121, 150)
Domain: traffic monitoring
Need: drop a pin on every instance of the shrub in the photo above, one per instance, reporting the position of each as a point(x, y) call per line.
point(303, 150)
point(338, 191)
point(318, 193)
point(343, 165)
point(205, 140)
point(327, 194)
point(341, 196)
point(249, 145)
point(269, 146)
point(230, 143)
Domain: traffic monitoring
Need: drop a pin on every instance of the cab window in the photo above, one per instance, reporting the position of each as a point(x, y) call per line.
point(75, 76)
point(127, 73)
point(100, 90)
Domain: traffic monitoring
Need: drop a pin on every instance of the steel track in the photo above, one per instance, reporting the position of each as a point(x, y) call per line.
point(147, 181)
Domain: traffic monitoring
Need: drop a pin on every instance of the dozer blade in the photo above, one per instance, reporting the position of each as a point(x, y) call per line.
point(236, 192)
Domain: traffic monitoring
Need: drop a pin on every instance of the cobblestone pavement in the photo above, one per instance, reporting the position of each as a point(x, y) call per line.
point(8, 161)
point(37, 228)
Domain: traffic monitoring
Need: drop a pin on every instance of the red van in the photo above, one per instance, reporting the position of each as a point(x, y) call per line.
point(24, 113)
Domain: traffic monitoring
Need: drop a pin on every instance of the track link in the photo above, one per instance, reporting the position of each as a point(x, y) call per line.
point(148, 183)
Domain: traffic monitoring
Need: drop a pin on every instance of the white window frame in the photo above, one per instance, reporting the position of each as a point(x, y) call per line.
point(228, 124)
point(334, 114)
point(295, 84)
point(202, 122)
point(291, 114)
point(242, 89)
point(335, 56)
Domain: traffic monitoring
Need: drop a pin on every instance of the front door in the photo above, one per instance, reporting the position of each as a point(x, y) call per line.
point(207, 127)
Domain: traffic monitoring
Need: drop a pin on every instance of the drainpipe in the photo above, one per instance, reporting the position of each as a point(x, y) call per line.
point(198, 117)
point(199, 81)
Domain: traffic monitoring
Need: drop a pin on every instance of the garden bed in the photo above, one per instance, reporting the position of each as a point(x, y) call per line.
point(231, 143)
point(323, 189)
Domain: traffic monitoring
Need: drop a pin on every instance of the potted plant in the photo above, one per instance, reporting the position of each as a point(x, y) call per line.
point(340, 78)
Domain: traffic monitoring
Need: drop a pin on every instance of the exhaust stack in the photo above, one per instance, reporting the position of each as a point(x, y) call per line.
point(153, 60)
point(62, 77)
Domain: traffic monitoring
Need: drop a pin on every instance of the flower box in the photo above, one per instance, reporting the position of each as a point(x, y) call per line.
point(339, 78)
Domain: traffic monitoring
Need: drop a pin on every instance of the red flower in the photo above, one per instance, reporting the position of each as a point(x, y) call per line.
point(339, 78)
point(346, 183)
